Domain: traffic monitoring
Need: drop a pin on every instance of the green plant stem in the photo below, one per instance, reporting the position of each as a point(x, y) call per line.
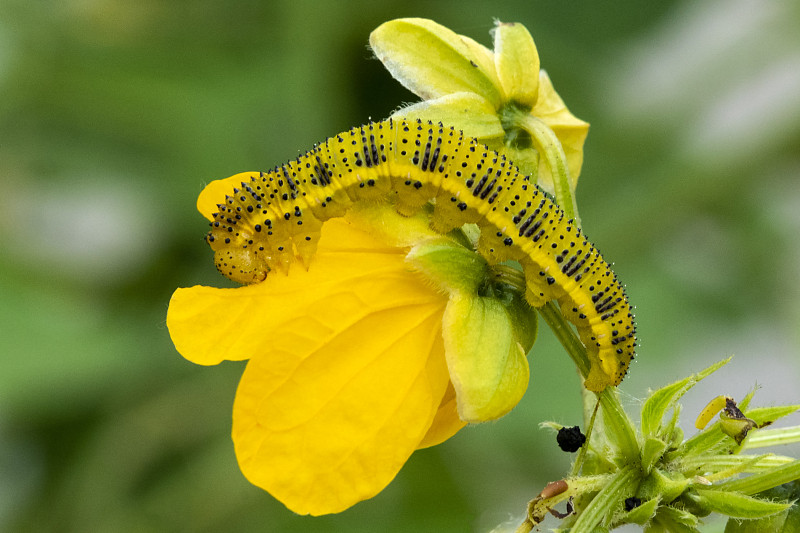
point(547, 144)
point(524, 527)
point(589, 425)
point(566, 336)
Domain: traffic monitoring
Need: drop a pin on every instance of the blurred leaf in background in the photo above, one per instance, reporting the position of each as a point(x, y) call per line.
point(114, 115)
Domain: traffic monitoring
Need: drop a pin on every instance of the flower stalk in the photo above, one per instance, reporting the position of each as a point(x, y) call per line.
point(522, 128)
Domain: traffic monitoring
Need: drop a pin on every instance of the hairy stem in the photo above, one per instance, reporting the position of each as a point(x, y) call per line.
point(566, 336)
point(545, 141)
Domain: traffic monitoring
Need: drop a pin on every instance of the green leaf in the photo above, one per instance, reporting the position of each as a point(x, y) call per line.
point(430, 60)
point(777, 523)
point(763, 415)
point(517, 63)
point(771, 524)
point(763, 480)
point(773, 437)
point(487, 364)
point(786, 522)
point(736, 505)
point(659, 401)
point(733, 463)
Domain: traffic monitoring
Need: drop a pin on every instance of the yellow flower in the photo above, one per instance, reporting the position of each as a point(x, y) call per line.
point(500, 97)
point(391, 340)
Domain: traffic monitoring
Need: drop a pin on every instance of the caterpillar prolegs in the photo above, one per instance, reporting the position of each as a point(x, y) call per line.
point(277, 216)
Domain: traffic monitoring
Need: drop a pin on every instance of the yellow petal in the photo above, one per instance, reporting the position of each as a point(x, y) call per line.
point(569, 129)
point(466, 112)
point(214, 193)
point(324, 428)
point(446, 423)
point(209, 325)
point(517, 63)
point(484, 58)
point(430, 60)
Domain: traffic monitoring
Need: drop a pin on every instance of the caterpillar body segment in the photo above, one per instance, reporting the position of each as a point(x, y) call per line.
point(277, 216)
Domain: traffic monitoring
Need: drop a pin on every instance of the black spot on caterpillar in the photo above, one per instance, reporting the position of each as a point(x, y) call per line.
point(276, 218)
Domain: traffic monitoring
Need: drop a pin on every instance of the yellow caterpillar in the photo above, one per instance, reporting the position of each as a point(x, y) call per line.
point(276, 218)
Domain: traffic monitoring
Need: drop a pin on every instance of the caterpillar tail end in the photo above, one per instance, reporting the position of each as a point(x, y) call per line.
point(597, 380)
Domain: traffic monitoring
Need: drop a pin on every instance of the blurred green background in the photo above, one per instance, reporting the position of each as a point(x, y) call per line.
point(114, 114)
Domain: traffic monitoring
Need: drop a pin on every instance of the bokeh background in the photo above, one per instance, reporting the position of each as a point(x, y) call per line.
point(114, 114)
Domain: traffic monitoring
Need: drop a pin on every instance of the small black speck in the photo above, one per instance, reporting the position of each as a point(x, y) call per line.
point(632, 503)
point(570, 439)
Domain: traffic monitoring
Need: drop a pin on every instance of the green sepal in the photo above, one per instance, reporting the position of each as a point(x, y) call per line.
point(431, 60)
point(659, 484)
point(517, 63)
point(487, 363)
point(736, 428)
point(467, 112)
point(681, 516)
point(524, 318)
point(652, 451)
point(527, 160)
point(642, 514)
point(449, 264)
point(672, 431)
point(679, 519)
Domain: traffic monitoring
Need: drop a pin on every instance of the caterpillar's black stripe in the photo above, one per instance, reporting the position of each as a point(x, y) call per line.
point(276, 218)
